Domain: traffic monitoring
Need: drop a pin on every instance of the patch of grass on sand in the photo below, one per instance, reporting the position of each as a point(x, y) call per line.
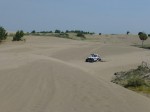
point(136, 79)
point(141, 89)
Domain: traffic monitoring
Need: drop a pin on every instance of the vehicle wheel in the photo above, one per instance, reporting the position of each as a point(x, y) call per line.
point(92, 60)
point(99, 59)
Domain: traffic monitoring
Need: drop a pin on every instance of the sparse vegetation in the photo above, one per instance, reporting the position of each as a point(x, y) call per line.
point(62, 35)
point(136, 79)
point(18, 36)
point(3, 34)
point(73, 34)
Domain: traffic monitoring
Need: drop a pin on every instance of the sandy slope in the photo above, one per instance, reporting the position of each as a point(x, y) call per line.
point(50, 75)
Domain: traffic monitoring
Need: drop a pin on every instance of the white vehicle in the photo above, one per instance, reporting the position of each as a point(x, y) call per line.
point(93, 58)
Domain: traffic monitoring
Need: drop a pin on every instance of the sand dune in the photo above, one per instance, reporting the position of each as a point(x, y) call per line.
point(50, 75)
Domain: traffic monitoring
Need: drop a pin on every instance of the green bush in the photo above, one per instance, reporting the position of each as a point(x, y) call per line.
point(18, 35)
point(81, 35)
point(135, 82)
point(3, 34)
point(62, 35)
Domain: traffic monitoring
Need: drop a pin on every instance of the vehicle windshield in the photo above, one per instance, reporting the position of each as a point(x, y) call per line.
point(94, 55)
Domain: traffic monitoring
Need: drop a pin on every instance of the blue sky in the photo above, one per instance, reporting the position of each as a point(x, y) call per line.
point(100, 16)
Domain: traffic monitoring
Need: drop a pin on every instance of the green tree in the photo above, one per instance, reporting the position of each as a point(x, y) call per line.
point(3, 34)
point(33, 31)
point(18, 35)
point(57, 31)
point(128, 32)
point(143, 36)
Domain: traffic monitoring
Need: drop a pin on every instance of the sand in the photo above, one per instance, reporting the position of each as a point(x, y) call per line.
point(48, 74)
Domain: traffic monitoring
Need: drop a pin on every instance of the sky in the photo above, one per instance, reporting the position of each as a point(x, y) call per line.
point(99, 16)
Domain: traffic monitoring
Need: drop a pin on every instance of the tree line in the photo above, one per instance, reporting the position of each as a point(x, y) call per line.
point(67, 31)
point(20, 33)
